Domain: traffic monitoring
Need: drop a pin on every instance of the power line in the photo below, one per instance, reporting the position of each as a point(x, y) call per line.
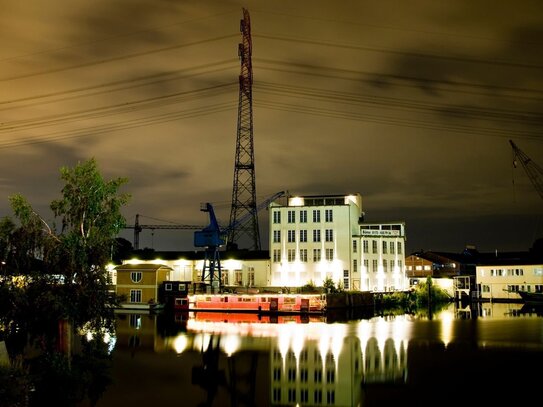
point(117, 58)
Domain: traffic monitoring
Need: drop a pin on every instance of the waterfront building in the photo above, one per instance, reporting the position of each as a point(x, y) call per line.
point(500, 278)
point(139, 283)
point(239, 268)
point(324, 237)
point(484, 276)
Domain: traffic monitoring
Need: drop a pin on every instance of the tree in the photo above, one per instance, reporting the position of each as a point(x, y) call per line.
point(64, 266)
point(50, 274)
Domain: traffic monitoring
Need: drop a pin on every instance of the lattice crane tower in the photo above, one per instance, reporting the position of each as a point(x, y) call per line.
point(244, 190)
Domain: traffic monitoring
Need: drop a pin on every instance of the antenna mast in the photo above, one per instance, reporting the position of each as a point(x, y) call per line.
point(244, 190)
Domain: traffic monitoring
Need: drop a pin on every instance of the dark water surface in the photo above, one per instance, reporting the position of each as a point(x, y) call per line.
point(488, 356)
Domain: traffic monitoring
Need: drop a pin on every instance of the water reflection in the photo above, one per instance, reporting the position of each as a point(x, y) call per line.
point(209, 359)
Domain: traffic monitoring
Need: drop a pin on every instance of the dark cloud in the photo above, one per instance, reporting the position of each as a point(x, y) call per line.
point(411, 105)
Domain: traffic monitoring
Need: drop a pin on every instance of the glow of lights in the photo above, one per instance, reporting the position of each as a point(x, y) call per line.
point(446, 317)
point(399, 332)
point(230, 344)
point(324, 344)
point(283, 345)
point(232, 264)
point(202, 341)
point(350, 198)
point(296, 201)
point(180, 343)
point(298, 341)
point(338, 334)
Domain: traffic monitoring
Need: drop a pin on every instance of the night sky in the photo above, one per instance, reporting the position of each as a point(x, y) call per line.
point(410, 103)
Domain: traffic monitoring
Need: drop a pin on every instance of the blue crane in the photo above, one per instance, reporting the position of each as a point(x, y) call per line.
point(213, 237)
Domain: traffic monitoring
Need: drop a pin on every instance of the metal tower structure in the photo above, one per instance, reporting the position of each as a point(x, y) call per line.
point(534, 171)
point(244, 190)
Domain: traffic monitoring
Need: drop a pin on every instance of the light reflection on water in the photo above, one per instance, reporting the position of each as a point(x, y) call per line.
point(237, 359)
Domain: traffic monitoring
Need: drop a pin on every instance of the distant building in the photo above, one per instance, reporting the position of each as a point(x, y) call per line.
point(239, 268)
point(491, 276)
point(312, 239)
point(319, 237)
point(499, 278)
point(139, 283)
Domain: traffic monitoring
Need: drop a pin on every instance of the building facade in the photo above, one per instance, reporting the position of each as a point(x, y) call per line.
point(379, 249)
point(323, 237)
point(139, 283)
point(500, 280)
point(238, 268)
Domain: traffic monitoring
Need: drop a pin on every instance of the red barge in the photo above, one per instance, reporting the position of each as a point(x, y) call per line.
point(259, 303)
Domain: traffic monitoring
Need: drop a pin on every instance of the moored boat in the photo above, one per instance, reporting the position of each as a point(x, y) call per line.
point(263, 303)
point(535, 297)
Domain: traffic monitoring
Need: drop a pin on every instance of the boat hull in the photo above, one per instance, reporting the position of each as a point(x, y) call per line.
point(531, 297)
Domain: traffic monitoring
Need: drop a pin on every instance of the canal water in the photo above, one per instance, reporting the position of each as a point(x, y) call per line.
point(490, 354)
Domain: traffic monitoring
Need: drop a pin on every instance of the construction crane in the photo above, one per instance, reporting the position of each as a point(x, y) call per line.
point(534, 171)
point(244, 188)
point(213, 237)
point(138, 228)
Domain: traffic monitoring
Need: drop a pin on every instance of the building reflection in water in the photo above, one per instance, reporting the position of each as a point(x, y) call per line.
point(311, 363)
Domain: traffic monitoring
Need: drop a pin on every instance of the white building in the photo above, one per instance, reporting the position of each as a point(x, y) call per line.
point(501, 280)
point(379, 250)
point(314, 238)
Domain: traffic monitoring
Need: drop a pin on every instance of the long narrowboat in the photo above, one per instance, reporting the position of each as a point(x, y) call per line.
point(262, 303)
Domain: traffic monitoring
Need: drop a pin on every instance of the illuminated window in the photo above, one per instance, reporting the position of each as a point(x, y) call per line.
point(168, 286)
point(374, 265)
point(329, 254)
point(135, 276)
point(135, 321)
point(135, 296)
